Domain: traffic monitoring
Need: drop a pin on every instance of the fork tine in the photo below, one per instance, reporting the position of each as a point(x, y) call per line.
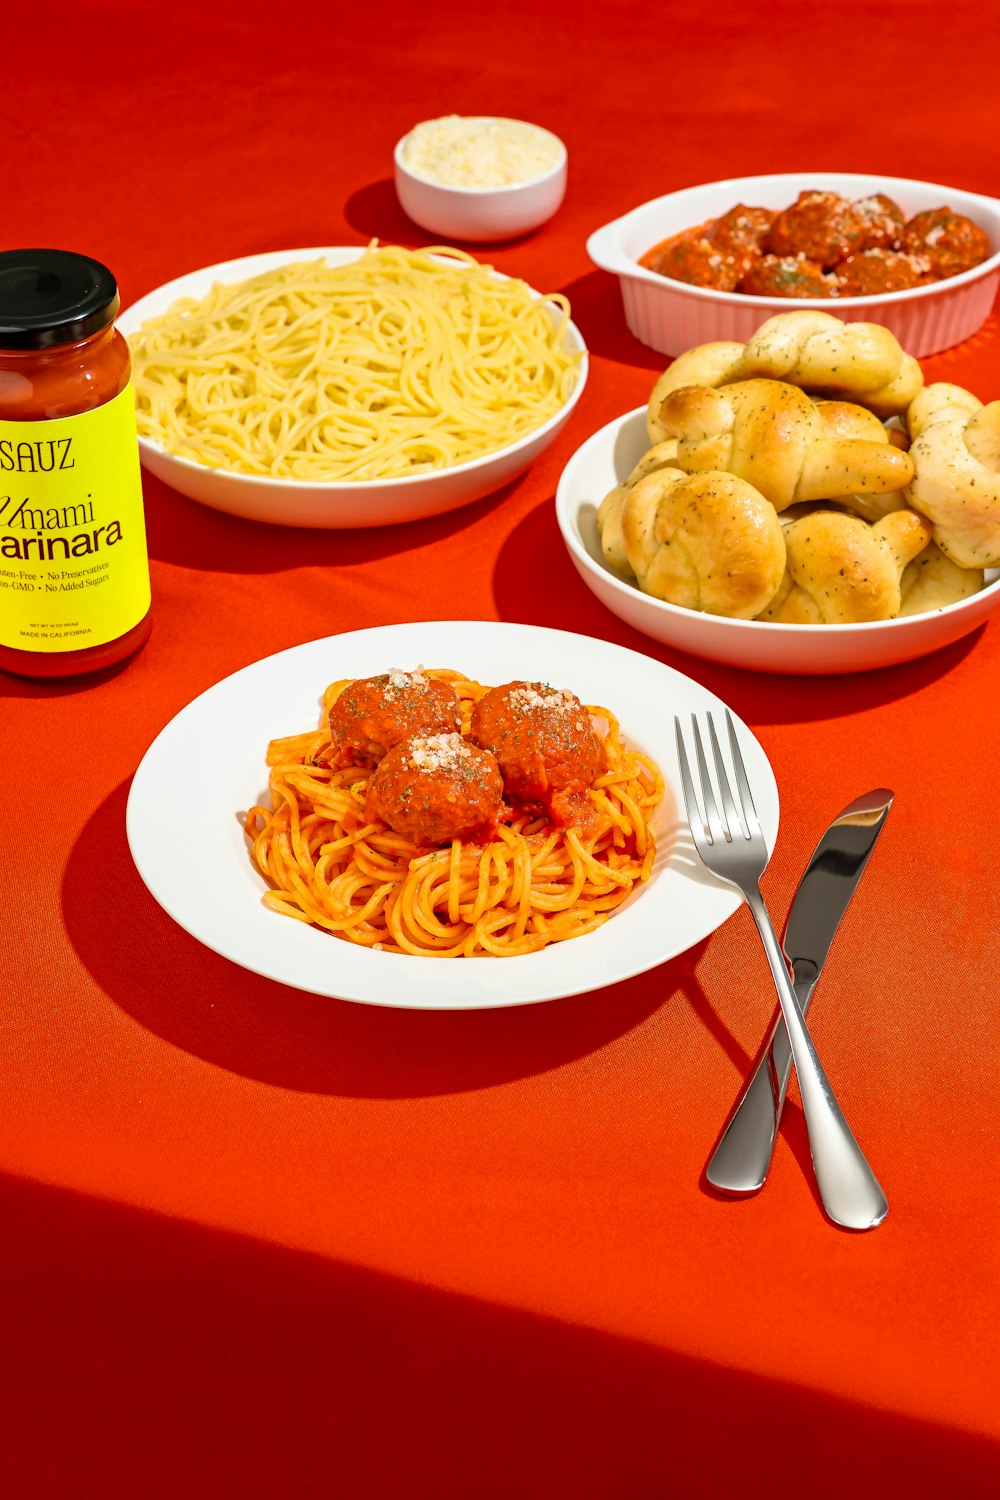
point(717, 825)
point(746, 796)
point(734, 814)
point(694, 816)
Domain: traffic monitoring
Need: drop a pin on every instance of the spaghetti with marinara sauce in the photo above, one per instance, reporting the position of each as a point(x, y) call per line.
point(526, 884)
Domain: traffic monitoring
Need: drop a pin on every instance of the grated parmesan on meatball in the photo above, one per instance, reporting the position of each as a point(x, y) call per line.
point(375, 713)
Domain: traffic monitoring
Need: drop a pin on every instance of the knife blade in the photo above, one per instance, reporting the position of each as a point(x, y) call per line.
point(740, 1162)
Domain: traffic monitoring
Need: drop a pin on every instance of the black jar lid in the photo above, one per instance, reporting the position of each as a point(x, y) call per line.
point(50, 297)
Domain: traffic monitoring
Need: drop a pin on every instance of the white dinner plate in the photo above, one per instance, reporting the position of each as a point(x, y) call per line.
point(606, 459)
point(207, 767)
point(336, 505)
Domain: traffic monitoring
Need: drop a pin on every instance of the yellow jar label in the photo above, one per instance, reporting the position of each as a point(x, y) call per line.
point(73, 565)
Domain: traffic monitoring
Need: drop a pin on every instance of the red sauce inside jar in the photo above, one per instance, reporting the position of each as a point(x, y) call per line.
point(70, 499)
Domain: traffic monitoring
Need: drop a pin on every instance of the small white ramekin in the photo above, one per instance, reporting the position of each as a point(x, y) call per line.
point(477, 213)
point(671, 316)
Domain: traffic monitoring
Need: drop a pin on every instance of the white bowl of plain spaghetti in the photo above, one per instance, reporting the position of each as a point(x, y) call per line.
point(534, 400)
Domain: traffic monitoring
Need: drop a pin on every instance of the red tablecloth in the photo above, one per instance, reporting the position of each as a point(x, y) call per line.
point(257, 1243)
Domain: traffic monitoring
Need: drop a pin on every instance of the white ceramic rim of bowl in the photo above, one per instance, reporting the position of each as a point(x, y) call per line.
point(567, 512)
point(480, 192)
point(131, 319)
point(606, 251)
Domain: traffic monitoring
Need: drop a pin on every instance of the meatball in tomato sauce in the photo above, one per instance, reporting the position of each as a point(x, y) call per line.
point(876, 271)
point(698, 261)
point(787, 276)
point(743, 228)
point(433, 788)
point(545, 745)
point(884, 221)
point(823, 227)
point(951, 243)
point(373, 714)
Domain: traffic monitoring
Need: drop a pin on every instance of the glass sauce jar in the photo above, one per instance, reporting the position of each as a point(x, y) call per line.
point(74, 571)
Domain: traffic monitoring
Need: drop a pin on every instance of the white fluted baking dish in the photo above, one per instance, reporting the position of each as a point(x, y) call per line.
point(671, 316)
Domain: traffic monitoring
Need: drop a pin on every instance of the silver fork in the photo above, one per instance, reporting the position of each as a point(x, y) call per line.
point(732, 846)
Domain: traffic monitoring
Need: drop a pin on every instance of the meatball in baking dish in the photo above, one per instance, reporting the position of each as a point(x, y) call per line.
point(787, 276)
point(875, 272)
point(699, 261)
point(884, 220)
point(824, 227)
point(949, 242)
point(743, 228)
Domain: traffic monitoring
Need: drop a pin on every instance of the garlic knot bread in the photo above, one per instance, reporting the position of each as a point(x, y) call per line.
point(808, 477)
point(708, 541)
point(956, 483)
point(773, 436)
point(842, 571)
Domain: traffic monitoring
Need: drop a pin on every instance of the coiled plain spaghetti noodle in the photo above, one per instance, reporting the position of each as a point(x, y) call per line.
point(400, 363)
point(528, 885)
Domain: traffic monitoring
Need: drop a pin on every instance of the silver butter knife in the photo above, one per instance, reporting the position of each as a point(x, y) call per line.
point(743, 1155)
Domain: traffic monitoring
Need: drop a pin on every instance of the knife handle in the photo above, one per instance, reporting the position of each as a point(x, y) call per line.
point(740, 1161)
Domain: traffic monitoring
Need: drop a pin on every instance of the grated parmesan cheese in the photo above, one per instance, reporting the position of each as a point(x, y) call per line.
point(400, 679)
point(480, 151)
point(530, 697)
point(437, 752)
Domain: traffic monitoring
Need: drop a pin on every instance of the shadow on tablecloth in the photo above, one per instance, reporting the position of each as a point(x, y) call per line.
point(253, 1026)
point(151, 1357)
